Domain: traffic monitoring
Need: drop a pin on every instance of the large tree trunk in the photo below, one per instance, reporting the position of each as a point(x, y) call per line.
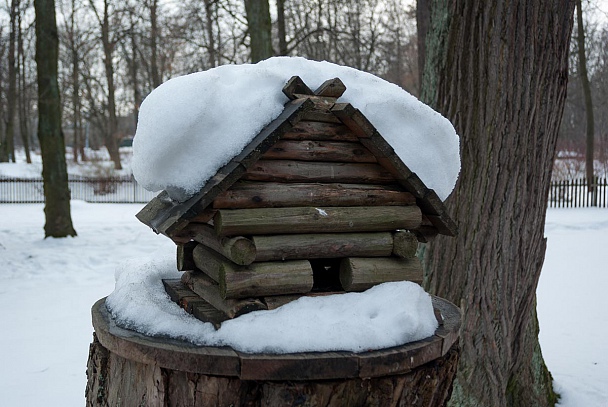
point(259, 27)
point(498, 71)
point(52, 145)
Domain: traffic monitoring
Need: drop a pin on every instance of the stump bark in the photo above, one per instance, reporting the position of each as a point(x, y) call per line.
point(126, 368)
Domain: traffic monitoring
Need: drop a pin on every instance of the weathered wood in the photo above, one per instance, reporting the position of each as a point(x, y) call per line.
point(256, 280)
point(328, 151)
point(322, 245)
point(126, 368)
point(212, 263)
point(238, 249)
point(320, 365)
point(209, 290)
point(320, 116)
point(405, 244)
point(301, 171)
point(333, 88)
point(262, 221)
point(311, 130)
point(253, 194)
point(185, 261)
point(358, 274)
point(426, 234)
point(192, 303)
point(267, 278)
point(295, 85)
point(354, 119)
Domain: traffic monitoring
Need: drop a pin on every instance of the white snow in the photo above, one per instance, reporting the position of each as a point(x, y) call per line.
point(389, 314)
point(48, 286)
point(192, 125)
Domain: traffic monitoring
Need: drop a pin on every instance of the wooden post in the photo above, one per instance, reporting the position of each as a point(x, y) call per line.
point(405, 244)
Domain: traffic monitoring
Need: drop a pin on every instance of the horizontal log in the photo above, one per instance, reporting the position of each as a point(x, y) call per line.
point(310, 150)
point(359, 274)
point(405, 244)
point(255, 280)
point(303, 171)
point(267, 221)
point(309, 130)
point(320, 116)
point(193, 304)
point(273, 194)
point(239, 249)
point(267, 278)
point(208, 290)
point(322, 246)
point(212, 263)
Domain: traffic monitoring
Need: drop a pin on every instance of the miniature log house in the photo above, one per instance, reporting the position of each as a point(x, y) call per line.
point(317, 203)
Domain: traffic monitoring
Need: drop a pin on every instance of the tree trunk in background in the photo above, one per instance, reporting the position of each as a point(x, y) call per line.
point(209, 6)
point(23, 113)
point(590, 133)
point(8, 153)
point(258, 21)
point(111, 135)
point(423, 19)
point(156, 81)
point(78, 140)
point(281, 27)
point(52, 146)
point(498, 71)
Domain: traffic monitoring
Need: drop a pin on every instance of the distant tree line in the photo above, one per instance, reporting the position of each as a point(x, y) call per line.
point(113, 53)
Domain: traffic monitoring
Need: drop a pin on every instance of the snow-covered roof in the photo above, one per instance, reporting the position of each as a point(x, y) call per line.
point(191, 126)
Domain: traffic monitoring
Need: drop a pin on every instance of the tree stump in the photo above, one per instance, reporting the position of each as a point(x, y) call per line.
point(127, 368)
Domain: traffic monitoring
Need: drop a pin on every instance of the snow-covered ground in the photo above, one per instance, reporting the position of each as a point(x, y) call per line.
point(48, 286)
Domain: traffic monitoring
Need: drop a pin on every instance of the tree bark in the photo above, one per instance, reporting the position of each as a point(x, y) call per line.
point(52, 145)
point(504, 94)
point(8, 146)
point(281, 27)
point(111, 132)
point(23, 113)
point(590, 128)
point(259, 27)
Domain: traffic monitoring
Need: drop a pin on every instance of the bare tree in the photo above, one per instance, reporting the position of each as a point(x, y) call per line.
point(54, 171)
point(584, 77)
point(505, 95)
point(22, 85)
point(109, 40)
point(8, 144)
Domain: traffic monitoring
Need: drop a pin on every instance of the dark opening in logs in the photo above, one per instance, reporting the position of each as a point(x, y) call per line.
point(326, 275)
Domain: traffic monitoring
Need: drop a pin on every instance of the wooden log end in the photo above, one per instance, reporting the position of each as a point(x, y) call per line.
point(333, 88)
point(294, 86)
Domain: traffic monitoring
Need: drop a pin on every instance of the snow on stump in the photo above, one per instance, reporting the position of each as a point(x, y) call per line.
point(317, 205)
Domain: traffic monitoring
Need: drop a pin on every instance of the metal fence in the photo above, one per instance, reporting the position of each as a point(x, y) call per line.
point(562, 194)
point(576, 194)
point(95, 190)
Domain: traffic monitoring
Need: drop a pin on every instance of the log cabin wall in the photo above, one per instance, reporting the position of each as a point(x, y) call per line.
point(315, 214)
